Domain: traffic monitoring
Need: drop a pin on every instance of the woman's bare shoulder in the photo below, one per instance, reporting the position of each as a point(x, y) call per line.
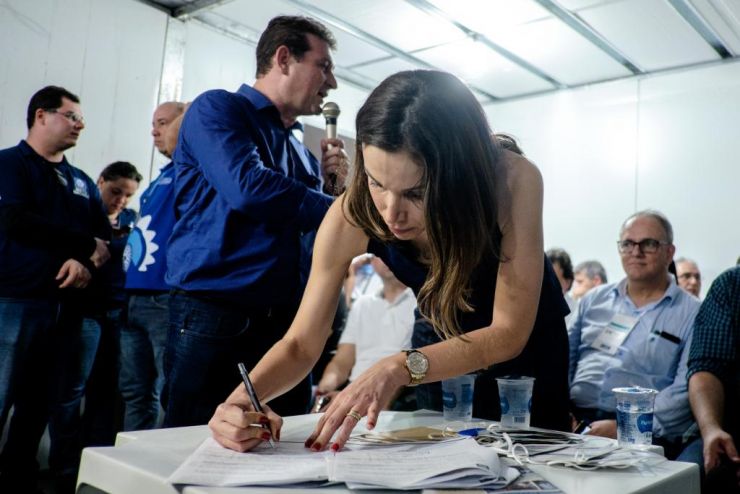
point(520, 182)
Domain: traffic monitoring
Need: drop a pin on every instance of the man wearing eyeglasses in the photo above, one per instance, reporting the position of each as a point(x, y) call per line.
point(689, 276)
point(52, 231)
point(636, 332)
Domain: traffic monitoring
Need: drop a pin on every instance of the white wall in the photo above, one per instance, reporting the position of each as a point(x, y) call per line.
point(108, 52)
point(668, 142)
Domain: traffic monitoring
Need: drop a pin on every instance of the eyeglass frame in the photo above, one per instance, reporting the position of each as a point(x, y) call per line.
point(686, 276)
point(69, 115)
point(641, 245)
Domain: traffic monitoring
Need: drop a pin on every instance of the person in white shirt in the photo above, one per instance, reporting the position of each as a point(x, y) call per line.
point(378, 325)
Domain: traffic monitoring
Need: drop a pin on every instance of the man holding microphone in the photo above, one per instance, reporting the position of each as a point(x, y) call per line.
point(249, 198)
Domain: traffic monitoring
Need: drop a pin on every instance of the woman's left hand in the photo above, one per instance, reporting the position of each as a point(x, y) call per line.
point(604, 428)
point(366, 396)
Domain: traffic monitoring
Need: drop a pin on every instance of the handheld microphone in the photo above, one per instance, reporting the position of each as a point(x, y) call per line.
point(331, 113)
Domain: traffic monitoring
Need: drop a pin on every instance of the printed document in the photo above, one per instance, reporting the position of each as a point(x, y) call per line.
point(455, 464)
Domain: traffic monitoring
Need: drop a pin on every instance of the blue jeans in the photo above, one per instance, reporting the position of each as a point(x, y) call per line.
point(87, 365)
point(26, 369)
point(206, 340)
point(76, 343)
point(26, 327)
point(143, 342)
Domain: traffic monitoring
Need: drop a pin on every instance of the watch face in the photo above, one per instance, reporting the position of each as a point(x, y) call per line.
point(417, 362)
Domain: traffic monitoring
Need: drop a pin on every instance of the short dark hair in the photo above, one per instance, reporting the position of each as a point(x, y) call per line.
point(48, 98)
point(592, 269)
point(290, 31)
point(562, 259)
point(121, 169)
point(509, 143)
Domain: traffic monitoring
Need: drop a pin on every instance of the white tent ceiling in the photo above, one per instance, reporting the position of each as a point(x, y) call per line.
point(504, 49)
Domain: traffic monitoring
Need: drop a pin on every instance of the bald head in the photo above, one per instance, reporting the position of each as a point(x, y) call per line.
point(161, 120)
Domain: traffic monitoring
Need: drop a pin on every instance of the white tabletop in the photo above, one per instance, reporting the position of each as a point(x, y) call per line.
point(141, 462)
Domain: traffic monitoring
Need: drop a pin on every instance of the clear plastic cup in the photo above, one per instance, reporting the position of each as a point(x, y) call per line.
point(635, 415)
point(515, 395)
point(457, 398)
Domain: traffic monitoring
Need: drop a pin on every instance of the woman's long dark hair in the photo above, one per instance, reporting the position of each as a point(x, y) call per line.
point(435, 118)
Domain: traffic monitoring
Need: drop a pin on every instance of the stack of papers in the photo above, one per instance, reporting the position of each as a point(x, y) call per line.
point(455, 464)
point(461, 464)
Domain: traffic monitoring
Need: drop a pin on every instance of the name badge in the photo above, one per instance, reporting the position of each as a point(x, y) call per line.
point(614, 333)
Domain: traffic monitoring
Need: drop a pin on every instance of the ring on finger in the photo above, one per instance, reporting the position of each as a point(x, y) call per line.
point(354, 415)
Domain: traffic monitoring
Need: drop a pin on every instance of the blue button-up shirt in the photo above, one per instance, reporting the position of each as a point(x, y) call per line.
point(654, 354)
point(246, 192)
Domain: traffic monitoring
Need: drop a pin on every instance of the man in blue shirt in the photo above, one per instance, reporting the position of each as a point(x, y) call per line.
point(714, 384)
point(50, 214)
point(248, 199)
point(636, 332)
point(144, 337)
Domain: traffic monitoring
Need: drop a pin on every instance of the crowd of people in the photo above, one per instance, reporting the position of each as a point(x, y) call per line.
point(246, 243)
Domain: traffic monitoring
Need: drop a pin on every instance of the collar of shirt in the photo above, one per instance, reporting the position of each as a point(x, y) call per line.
point(408, 292)
point(262, 103)
point(28, 151)
point(620, 290)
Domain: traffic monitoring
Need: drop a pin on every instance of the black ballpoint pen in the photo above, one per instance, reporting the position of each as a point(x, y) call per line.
point(252, 395)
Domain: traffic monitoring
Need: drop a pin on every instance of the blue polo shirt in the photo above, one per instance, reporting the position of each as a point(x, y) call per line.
point(246, 193)
point(49, 212)
point(145, 255)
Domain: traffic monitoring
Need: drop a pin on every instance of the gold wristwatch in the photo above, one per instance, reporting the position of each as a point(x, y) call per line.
point(417, 364)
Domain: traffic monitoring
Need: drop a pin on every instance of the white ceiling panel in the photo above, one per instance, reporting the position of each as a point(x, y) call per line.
point(490, 15)
point(482, 67)
point(350, 49)
point(724, 17)
point(380, 70)
point(256, 14)
point(650, 33)
point(397, 23)
point(583, 4)
point(548, 49)
point(559, 51)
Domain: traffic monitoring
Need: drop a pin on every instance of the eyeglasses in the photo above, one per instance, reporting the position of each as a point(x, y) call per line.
point(647, 246)
point(69, 115)
point(687, 276)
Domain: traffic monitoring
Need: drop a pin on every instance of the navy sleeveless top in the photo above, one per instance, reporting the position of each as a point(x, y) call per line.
point(545, 356)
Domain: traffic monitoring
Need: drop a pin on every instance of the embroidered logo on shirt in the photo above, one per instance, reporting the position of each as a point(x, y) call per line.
point(140, 246)
point(80, 188)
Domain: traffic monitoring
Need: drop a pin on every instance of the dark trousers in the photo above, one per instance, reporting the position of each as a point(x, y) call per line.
point(26, 329)
point(205, 341)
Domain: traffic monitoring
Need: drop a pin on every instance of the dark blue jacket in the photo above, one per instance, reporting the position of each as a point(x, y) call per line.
point(49, 212)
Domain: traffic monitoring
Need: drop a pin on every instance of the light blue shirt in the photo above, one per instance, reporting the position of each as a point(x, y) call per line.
point(654, 354)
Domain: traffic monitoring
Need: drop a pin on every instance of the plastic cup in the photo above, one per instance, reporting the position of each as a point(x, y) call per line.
point(635, 416)
point(457, 398)
point(515, 395)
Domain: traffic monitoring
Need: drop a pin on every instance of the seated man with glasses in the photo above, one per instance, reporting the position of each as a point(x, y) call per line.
point(636, 332)
point(689, 276)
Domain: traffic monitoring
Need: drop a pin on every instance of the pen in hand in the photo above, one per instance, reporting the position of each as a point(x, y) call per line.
point(252, 395)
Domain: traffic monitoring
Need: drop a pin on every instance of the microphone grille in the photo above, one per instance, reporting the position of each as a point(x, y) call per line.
point(330, 110)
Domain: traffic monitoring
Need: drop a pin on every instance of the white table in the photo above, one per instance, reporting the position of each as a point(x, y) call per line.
point(140, 462)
